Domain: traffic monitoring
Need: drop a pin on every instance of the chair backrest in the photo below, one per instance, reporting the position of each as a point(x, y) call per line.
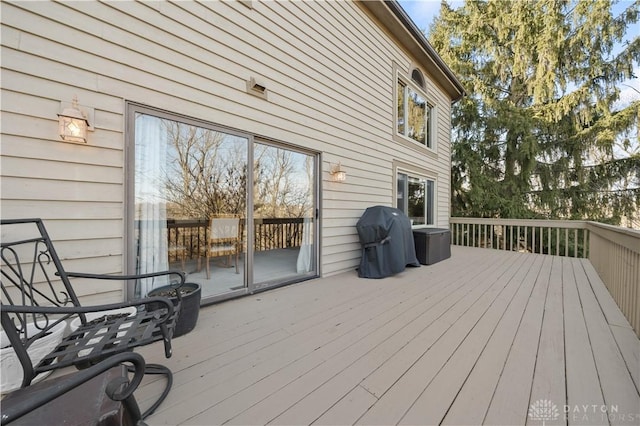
point(224, 228)
point(32, 276)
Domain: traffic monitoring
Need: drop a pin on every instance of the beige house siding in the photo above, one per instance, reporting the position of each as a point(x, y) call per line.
point(327, 66)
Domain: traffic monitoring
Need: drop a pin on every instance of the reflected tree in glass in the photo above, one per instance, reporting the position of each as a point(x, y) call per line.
point(206, 172)
point(283, 183)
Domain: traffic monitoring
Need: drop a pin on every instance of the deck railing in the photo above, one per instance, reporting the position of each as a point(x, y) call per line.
point(557, 237)
point(613, 251)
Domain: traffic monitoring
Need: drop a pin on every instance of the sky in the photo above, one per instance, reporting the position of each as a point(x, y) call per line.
point(422, 12)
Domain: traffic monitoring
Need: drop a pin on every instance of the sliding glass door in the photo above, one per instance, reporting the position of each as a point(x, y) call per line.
point(284, 214)
point(196, 207)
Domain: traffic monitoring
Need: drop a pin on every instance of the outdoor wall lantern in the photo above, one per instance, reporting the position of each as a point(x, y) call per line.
point(337, 174)
point(73, 123)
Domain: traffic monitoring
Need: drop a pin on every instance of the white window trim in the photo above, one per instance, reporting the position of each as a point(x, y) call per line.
point(398, 75)
point(424, 174)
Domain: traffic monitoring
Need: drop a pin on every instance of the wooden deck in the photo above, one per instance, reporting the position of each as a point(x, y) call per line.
point(478, 338)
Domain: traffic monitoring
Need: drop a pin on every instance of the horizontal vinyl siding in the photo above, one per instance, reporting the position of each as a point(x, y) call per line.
point(326, 65)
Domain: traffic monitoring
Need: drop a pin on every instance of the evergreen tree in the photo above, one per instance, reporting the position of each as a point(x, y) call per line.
point(541, 132)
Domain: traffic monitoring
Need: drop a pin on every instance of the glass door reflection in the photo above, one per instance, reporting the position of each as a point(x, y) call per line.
point(190, 203)
point(284, 206)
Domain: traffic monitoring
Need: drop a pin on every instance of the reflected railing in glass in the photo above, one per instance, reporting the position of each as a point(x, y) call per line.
point(270, 234)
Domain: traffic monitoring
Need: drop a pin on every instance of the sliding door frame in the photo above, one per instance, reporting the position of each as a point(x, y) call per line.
point(129, 253)
point(268, 285)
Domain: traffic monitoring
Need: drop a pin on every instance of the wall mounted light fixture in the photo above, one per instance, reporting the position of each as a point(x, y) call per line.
point(73, 123)
point(337, 174)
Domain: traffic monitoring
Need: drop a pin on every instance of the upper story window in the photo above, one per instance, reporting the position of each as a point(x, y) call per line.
point(414, 113)
point(416, 76)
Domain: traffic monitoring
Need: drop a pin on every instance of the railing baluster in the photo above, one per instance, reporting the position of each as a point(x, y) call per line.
point(511, 238)
point(454, 234)
point(504, 237)
point(473, 235)
point(533, 239)
point(486, 233)
point(491, 226)
point(541, 239)
point(487, 242)
point(548, 245)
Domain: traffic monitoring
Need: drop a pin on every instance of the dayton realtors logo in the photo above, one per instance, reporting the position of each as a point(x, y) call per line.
point(544, 410)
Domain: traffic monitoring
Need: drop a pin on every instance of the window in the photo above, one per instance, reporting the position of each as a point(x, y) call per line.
point(416, 198)
point(414, 114)
point(416, 76)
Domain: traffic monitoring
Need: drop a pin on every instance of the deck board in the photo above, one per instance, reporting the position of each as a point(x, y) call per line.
point(620, 394)
point(474, 339)
point(549, 381)
point(434, 402)
point(316, 403)
point(419, 319)
point(474, 398)
point(583, 385)
point(509, 403)
point(399, 391)
point(379, 344)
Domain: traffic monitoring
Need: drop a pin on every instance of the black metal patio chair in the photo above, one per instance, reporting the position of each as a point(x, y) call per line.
point(80, 397)
point(38, 299)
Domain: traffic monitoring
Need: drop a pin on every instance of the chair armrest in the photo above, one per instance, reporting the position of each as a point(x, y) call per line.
point(126, 277)
point(13, 410)
point(71, 310)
